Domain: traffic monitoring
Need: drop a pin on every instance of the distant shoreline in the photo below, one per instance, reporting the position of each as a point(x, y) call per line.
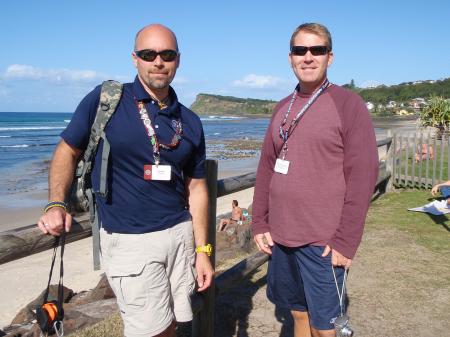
point(378, 121)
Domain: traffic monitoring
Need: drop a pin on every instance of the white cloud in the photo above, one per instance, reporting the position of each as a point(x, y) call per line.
point(254, 81)
point(62, 75)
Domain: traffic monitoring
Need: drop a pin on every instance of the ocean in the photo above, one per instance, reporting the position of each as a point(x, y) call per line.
point(27, 141)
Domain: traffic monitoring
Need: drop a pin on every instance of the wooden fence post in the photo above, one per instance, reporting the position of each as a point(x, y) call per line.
point(390, 157)
point(203, 322)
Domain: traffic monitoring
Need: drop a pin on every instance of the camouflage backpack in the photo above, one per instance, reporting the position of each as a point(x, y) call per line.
point(82, 194)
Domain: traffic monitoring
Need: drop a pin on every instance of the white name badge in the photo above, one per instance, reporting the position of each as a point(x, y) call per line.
point(282, 166)
point(160, 172)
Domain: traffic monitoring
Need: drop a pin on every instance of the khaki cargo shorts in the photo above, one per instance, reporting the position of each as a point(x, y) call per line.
point(152, 276)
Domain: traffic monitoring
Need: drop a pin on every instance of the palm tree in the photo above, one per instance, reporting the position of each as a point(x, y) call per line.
point(437, 114)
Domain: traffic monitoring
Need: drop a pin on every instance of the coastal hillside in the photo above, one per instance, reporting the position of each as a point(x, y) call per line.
point(403, 92)
point(206, 104)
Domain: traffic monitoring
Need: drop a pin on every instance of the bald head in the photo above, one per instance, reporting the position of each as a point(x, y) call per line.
point(155, 31)
point(156, 73)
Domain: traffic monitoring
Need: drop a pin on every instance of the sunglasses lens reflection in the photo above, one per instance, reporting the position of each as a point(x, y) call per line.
point(315, 50)
point(318, 50)
point(150, 55)
point(168, 55)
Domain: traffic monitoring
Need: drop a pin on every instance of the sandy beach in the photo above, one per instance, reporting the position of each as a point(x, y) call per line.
point(23, 280)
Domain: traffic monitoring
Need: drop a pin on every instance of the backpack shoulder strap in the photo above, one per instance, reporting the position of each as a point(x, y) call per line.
point(110, 95)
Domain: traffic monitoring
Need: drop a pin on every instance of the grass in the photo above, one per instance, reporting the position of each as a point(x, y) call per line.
point(430, 231)
point(111, 327)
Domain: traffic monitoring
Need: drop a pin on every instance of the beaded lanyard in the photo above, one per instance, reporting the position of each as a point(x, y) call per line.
point(152, 134)
point(285, 133)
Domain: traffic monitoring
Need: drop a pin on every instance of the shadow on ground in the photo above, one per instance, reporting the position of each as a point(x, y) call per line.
point(233, 310)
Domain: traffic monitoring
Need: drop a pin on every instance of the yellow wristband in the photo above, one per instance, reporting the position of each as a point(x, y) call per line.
point(52, 204)
point(208, 249)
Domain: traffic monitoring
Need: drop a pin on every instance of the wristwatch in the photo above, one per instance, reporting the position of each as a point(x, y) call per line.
point(208, 249)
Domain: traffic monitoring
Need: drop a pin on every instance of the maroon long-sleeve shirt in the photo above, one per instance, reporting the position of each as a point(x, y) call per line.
point(324, 198)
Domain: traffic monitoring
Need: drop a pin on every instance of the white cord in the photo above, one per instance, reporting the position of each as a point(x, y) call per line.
point(340, 295)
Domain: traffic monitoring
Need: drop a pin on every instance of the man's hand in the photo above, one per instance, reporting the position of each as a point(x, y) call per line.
point(262, 246)
point(337, 259)
point(54, 221)
point(205, 271)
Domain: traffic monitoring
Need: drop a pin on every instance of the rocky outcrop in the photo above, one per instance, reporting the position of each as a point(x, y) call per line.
point(206, 104)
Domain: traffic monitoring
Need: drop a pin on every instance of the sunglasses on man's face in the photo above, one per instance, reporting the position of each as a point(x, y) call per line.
point(315, 50)
point(149, 55)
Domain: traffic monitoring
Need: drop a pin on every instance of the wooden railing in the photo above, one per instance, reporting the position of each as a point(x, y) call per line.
point(25, 241)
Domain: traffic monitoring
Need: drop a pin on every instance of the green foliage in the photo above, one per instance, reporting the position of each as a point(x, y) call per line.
point(405, 91)
point(436, 113)
point(350, 85)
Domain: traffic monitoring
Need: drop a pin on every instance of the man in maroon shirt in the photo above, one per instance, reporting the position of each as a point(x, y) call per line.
point(315, 179)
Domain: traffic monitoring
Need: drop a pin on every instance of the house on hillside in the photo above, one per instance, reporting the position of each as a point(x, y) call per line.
point(370, 106)
point(417, 103)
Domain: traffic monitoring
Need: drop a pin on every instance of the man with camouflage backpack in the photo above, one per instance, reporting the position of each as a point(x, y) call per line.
point(152, 204)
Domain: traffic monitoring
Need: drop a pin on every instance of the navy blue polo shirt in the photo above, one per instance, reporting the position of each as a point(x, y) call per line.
point(135, 205)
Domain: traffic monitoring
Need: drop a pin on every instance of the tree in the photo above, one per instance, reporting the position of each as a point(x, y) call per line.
point(350, 85)
point(436, 114)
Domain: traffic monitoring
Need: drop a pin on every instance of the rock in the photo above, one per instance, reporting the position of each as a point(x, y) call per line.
point(102, 291)
point(81, 316)
point(81, 297)
point(26, 314)
point(22, 330)
point(75, 317)
point(233, 240)
point(244, 237)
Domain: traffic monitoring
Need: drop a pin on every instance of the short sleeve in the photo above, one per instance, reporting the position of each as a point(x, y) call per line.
point(195, 168)
point(78, 130)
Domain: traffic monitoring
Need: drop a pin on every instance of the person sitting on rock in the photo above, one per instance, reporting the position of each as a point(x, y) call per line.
point(444, 188)
point(236, 216)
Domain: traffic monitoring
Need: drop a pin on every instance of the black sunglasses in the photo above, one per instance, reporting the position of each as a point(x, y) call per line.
point(315, 50)
point(149, 55)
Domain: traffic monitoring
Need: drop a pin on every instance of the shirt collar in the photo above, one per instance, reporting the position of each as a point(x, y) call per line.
point(142, 95)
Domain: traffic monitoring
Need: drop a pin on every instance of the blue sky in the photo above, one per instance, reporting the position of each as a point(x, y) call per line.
point(55, 52)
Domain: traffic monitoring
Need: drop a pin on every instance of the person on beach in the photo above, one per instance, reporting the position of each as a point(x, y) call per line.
point(236, 216)
point(444, 188)
point(158, 201)
point(423, 152)
point(314, 182)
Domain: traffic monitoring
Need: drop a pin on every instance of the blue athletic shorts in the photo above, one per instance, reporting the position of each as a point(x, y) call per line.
point(301, 279)
point(445, 191)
